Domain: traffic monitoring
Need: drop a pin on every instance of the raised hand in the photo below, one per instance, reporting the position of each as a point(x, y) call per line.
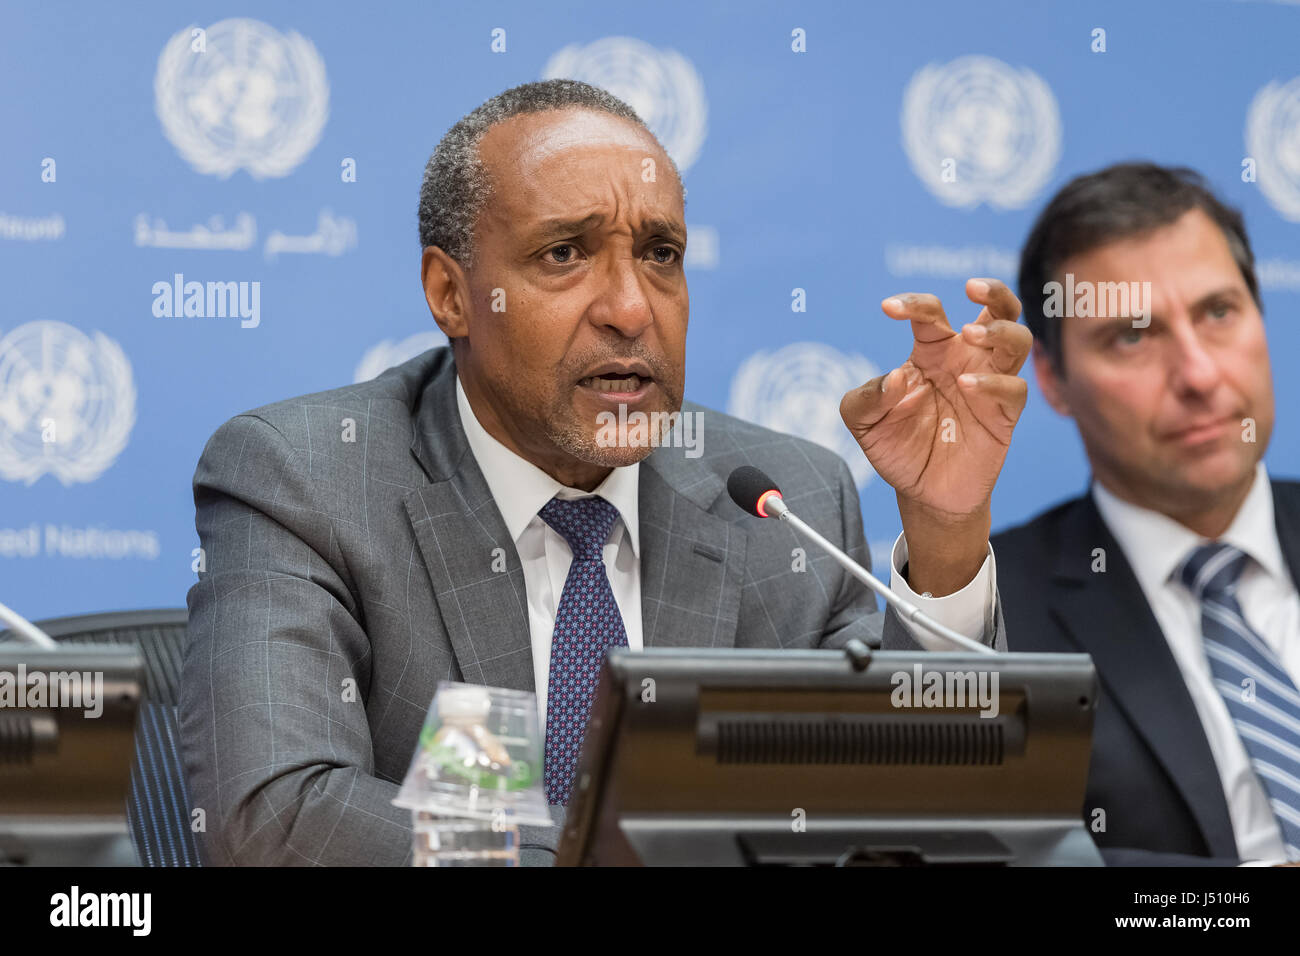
point(937, 427)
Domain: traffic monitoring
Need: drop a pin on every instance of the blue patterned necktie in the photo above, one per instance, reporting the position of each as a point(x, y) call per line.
point(1261, 697)
point(587, 623)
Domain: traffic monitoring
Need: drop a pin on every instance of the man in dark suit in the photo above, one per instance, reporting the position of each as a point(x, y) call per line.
point(1177, 569)
point(468, 515)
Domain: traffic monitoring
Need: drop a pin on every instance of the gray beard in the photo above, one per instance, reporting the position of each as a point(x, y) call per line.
point(581, 444)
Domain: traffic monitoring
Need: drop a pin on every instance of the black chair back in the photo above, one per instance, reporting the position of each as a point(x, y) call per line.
point(158, 804)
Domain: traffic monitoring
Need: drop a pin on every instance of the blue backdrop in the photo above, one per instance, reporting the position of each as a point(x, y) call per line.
point(279, 147)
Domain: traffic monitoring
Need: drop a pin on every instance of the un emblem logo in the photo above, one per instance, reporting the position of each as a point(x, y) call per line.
point(797, 390)
point(661, 85)
point(67, 403)
point(977, 130)
point(1273, 139)
point(384, 355)
point(242, 95)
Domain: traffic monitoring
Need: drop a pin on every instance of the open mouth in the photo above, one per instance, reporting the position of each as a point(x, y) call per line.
point(619, 382)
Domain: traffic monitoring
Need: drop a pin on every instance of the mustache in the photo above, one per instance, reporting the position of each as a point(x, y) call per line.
point(663, 371)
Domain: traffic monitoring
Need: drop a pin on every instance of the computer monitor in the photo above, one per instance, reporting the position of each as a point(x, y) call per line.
point(67, 725)
point(818, 757)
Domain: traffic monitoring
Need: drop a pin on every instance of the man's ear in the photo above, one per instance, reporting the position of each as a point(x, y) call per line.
point(446, 290)
point(1049, 380)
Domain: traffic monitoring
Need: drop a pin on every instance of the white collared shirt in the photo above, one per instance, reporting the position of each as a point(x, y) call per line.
point(1155, 546)
point(520, 489)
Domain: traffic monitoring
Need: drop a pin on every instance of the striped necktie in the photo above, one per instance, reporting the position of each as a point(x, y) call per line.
point(1262, 699)
point(587, 623)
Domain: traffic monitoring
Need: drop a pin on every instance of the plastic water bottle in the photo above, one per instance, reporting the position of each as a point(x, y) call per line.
point(475, 777)
point(464, 841)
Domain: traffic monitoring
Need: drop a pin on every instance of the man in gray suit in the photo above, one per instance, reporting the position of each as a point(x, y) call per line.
point(461, 516)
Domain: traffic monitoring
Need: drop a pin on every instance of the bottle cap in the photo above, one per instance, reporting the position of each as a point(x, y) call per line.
point(462, 703)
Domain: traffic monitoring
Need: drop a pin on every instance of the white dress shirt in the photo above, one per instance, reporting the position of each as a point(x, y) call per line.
point(520, 489)
point(1155, 546)
point(969, 611)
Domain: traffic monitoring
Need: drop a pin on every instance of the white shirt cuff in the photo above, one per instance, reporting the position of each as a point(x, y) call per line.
point(968, 612)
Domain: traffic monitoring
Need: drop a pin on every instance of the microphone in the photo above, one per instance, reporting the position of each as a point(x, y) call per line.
point(26, 629)
point(759, 495)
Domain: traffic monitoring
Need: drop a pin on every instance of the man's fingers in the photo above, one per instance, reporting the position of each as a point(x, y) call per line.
point(925, 311)
point(1009, 342)
point(999, 301)
point(1009, 392)
point(867, 404)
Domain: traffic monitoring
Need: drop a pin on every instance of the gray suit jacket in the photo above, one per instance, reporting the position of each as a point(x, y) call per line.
point(332, 564)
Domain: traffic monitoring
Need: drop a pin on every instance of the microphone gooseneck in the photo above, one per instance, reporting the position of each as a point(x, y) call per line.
point(758, 494)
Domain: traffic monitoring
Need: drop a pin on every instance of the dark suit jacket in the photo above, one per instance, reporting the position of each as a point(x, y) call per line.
point(368, 563)
point(1152, 770)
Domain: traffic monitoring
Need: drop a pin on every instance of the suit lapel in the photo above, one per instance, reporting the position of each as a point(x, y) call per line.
point(1107, 616)
point(692, 561)
point(477, 579)
point(1286, 515)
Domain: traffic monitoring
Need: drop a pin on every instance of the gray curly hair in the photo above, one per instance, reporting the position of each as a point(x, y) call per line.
point(456, 188)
